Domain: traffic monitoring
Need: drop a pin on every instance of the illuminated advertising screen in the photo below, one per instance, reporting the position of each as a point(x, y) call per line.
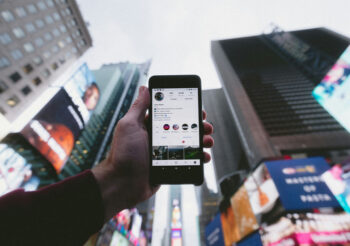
point(213, 232)
point(55, 128)
point(333, 93)
point(83, 90)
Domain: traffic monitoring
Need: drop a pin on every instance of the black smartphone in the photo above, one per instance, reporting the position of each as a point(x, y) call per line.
point(176, 130)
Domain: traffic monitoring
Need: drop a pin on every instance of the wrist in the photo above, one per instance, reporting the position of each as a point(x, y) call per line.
point(111, 188)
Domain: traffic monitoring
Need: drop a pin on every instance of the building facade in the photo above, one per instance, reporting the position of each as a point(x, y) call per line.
point(268, 80)
point(39, 40)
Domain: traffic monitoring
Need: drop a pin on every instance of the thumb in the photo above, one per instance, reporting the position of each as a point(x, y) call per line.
point(140, 106)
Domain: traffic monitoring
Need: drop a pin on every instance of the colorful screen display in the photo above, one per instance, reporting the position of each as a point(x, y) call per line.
point(175, 127)
point(333, 93)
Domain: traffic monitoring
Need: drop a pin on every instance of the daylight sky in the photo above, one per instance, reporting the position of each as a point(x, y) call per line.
point(176, 34)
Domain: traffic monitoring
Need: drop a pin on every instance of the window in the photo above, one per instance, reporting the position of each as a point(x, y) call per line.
point(2, 111)
point(68, 55)
point(26, 90)
point(56, 32)
point(55, 49)
point(30, 27)
point(37, 81)
point(48, 19)
point(18, 32)
point(54, 66)
point(48, 36)
point(63, 28)
point(7, 15)
point(28, 68)
point(76, 33)
point(16, 54)
point(15, 77)
point(5, 38)
point(28, 47)
point(37, 60)
point(73, 22)
point(41, 5)
point(75, 50)
point(56, 16)
point(20, 12)
point(68, 39)
point(68, 11)
point(3, 86)
point(39, 23)
point(39, 42)
point(13, 101)
point(62, 60)
point(49, 3)
point(46, 73)
point(4, 62)
point(60, 44)
point(31, 9)
point(47, 54)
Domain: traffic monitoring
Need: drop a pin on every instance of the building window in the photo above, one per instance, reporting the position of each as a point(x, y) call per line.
point(68, 11)
point(39, 23)
point(61, 44)
point(49, 3)
point(55, 49)
point(37, 60)
point(47, 54)
point(39, 42)
point(37, 81)
point(48, 19)
point(26, 90)
point(73, 22)
point(68, 39)
point(56, 32)
point(41, 5)
point(2, 111)
point(5, 38)
point(15, 77)
point(28, 47)
point(48, 36)
point(75, 50)
point(13, 101)
point(3, 86)
point(20, 12)
point(4, 62)
point(54, 66)
point(18, 32)
point(31, 9)
point(62, 60)
point(63, 28)
point(68, 55)
point(7, 15)
point(56, 16)
point(46, 73)
point(30, 27)
point(16, 54)
point(28, 68)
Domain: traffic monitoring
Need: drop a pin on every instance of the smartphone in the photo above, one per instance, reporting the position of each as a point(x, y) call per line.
point(176, 130)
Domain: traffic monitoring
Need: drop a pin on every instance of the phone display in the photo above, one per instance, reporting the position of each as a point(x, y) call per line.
point(176, 129)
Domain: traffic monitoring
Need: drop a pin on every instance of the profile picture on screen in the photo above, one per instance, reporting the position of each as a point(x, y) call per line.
point(159, 96)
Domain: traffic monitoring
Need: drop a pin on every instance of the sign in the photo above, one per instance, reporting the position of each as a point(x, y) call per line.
point(213, 232)
point(253, 239)
point(299, 183)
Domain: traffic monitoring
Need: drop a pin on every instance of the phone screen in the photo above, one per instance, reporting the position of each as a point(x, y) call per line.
point(175, 127)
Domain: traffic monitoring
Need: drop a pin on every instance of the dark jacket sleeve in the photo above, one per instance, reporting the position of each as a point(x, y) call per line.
point(65, 213)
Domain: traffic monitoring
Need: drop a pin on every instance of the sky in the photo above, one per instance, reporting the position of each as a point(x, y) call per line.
point(176, 35)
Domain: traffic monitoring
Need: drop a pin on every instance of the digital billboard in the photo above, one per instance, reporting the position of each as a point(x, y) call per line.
point(55, 128)
point(333, 93)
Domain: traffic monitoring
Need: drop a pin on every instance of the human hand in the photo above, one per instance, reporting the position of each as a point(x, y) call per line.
point(124, 176)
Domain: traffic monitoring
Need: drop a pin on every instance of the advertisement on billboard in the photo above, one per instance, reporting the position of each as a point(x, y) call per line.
point(213, 233)
point(333, 93)
point(54, 129)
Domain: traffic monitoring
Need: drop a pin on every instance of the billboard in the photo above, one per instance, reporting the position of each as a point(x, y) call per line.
point(333, 93)
point(55, 128)
point(213, 232)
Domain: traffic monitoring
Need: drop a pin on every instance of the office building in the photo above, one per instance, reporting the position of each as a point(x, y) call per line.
point(268, 80)
point(39, 40)
point(117, 84)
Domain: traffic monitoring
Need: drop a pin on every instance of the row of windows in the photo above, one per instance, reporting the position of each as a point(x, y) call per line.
point(21, 12)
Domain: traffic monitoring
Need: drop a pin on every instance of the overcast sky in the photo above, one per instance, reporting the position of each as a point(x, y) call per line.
point(177, 34)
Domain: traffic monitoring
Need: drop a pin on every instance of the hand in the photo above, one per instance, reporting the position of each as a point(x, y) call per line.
point(124, 176)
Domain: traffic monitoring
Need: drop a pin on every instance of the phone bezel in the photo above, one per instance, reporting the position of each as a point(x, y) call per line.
point(176, 174)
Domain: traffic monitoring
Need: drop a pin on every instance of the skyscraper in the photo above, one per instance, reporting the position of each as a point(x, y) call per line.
point(39, 40)
point(268, 80)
